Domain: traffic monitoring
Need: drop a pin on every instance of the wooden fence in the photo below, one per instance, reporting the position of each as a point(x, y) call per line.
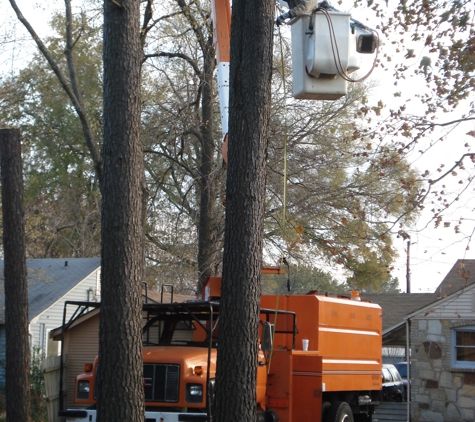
point(51, 370)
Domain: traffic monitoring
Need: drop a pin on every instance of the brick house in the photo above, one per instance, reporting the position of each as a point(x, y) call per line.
point(442, 350)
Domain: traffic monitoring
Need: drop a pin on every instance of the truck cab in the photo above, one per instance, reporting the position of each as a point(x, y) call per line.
point(179, 364)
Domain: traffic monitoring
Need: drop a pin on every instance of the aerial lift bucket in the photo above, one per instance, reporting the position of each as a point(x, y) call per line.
point(322, 49)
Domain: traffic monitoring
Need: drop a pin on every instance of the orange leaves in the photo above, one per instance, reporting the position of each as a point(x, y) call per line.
point(297, 240)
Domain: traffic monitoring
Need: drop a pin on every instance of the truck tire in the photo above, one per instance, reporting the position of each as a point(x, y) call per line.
point(339, 411)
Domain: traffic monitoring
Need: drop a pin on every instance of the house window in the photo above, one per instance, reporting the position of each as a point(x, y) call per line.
point(42, 342)
point(463, 347)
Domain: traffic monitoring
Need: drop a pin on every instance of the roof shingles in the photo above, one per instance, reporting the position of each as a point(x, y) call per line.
point(49, 280)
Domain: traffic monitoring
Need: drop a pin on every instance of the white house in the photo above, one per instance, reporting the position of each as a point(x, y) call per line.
point(51, 282)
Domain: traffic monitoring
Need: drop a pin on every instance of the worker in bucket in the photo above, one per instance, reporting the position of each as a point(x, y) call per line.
point(296, 8)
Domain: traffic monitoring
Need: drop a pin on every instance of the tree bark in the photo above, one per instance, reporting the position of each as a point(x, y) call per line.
point(17, 368)
point(121, 395)
point(250, 96)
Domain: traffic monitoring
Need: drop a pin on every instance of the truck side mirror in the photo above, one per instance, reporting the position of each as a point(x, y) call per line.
point(267, 336)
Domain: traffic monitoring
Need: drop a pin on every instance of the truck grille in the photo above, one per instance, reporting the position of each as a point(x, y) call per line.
point(161, 383)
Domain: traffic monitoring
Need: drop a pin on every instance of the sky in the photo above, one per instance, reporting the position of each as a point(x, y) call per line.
point(19, 50)
point(433, 252)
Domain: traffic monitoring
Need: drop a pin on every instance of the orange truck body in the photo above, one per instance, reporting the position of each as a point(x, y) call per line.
point(339, 373)
point(342, 363)
point(345, 333)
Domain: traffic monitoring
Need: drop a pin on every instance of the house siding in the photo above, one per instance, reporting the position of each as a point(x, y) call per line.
point(440, 392)
point(53, 316)
point(82, 346)
point(458, 306)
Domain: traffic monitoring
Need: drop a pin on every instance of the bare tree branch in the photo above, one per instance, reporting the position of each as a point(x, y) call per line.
point(71, 91)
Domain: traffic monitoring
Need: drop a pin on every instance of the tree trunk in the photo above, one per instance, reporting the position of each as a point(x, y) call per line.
point(207, 230)
point(250, 96)
point(121, 396)
point(16, 284)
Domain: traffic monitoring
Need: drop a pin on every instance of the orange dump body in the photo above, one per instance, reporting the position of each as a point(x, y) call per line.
point(346, 334)
point(294, 385)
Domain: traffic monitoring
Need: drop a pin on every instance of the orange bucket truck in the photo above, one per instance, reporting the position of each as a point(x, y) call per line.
point(319, 360)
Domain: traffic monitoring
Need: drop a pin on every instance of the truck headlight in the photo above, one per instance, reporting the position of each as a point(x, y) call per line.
point(194, 393)
point(83, 390)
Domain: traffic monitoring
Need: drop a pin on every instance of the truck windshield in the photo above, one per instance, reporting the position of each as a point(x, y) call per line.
point(191, 324)
point(196, 324)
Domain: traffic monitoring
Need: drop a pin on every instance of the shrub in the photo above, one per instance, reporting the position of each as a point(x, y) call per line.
point(37, 387)
point(2, 403)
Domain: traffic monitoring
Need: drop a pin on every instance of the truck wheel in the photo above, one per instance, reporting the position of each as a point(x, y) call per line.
point(339, 412)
